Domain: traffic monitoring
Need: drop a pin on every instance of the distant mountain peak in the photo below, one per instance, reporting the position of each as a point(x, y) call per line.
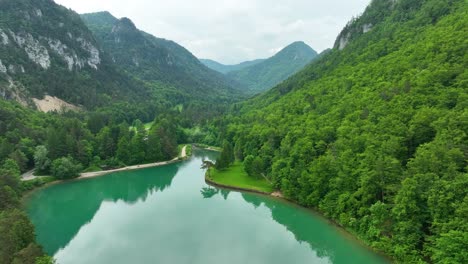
point(272, 71)
point(126, 22)
point(297, 46)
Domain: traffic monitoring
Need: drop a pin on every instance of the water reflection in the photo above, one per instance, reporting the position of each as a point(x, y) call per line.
point(86, 197)
point(208, 192)
point(153, 215)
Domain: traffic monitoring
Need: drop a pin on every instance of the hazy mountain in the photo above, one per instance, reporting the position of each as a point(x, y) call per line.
point(222, 68)
point(270, 72)
point(168, 67)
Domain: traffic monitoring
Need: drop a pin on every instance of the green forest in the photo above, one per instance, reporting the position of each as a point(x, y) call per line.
point(372, 134)
point(375, 136)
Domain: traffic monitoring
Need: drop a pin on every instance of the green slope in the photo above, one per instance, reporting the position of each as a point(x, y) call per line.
point(374, 133)
point(270, 72)
point(163, 64)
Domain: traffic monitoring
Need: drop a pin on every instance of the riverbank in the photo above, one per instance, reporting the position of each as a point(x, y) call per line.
point(234, 179)
point(35, 182)
point(182, 156)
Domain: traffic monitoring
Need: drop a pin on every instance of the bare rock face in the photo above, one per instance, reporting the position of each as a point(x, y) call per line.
point(3, 68)
point(94, 58)
point(36, 52)
point(366, 28)
point(344, 40)
point(4, 39)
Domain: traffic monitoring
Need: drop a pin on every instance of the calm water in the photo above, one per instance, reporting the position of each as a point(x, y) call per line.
point(169, 215)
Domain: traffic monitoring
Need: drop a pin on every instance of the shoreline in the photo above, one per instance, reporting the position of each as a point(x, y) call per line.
point(278, 195)
point(90, 175)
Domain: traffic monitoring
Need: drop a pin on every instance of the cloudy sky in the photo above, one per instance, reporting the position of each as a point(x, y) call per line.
point(231, 31)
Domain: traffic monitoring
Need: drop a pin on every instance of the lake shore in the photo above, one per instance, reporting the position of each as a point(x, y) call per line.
point(87, 175)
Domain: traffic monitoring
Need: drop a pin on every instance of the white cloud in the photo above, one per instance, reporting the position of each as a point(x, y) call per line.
point(232, 31)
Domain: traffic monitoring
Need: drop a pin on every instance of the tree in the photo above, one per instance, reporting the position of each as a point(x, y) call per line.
point(28, 254)
point(123, 150)
point(65, 168)
point(17, 233)
point(154, 152)
point(8, 198)
point(226, 158)
point(20, 159)
point(41, 160)
point(248, 161)
point(9, 175)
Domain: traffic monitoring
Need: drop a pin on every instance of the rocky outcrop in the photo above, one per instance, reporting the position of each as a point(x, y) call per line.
point(36, 52)
point(4, 38)
point(94, 58)
point(3, 68)
point(343, 41)
point(366, 28)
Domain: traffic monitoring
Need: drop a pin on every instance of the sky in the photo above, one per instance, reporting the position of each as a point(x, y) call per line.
point(232, 31)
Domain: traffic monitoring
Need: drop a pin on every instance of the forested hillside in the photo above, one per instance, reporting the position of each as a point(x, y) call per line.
point(264, 75)
point(169, 69)
point(62, 146)
point(374, 133)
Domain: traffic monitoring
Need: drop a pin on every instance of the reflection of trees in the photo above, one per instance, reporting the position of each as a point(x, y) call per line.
point(61, 210)
point(208, 192)
point(321, 237)
point(224, 193)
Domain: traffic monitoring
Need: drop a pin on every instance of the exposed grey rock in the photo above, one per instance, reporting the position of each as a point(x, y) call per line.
point(61, 49)
point(366, 28)
point(36, 52)
point(3, 68)
point(344, 40)
point(12, 69)
point(4, 38)
point(94, 60)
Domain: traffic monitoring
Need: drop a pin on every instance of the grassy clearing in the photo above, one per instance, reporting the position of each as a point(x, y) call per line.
point(235, 176)
point(147, 126)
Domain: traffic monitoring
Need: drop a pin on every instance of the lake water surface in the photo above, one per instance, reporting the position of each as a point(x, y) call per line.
point(169, 215)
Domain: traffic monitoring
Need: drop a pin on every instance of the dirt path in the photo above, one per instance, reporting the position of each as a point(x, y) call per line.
point(183, 152)
point(135, 167)
point(28, 175)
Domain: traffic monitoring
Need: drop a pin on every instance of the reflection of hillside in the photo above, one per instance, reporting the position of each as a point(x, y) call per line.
point(322, 238)
point(61, 210)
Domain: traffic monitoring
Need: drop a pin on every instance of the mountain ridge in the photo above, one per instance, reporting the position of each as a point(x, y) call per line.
point(272, 71)
point(156, 60)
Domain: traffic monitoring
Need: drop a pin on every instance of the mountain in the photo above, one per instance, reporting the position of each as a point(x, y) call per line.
point(46, 49)
point(222, 68)
point(374, 133)
point(270, 72)
point(169, 68)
